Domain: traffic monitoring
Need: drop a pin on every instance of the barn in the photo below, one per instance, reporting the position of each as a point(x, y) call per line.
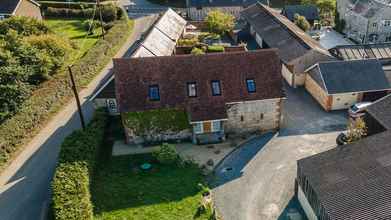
point(337, 85)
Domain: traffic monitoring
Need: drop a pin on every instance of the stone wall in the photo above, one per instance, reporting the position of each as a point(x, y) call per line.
point(253, 116)
point(29, 9)
point(166, 136)
point(318, 93)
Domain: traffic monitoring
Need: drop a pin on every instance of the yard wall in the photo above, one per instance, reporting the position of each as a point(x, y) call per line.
point(29, 9)
point(253, 116)
point(287, 74)
point(305, 205)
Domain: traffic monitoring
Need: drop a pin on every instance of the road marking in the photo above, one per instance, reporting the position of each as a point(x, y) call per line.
point(11, 184)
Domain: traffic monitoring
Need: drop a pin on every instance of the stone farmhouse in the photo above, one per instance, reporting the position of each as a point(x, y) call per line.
point(367, 21)
point(339, 84)
point(202, 98)
point(160, 40)
point(297, 50)
point(28, 8)
point(198, 9)
point(351, 181)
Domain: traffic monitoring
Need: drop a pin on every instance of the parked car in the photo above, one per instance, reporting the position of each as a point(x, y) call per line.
point(342, 139)
point(357, 110)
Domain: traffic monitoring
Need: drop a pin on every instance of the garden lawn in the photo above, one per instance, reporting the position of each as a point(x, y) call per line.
point(167, 192)
point(74, 30)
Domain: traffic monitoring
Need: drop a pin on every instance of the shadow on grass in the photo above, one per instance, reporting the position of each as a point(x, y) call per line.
point(120, 185)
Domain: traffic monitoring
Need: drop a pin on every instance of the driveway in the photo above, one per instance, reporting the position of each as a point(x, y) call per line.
point(25, 184)
point(261, 180)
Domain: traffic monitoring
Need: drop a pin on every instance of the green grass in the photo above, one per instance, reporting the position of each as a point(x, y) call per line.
point(121, 191)
point(74, 30)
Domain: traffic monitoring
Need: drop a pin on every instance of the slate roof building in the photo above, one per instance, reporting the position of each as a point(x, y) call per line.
point(198, 9)
point(367, 21)
point(339, 84)
point(28, 8)
point(378, 117)
point(310, 12)
point(222, 93)
point(160, 40)
point(352, 181)
point(297, 50)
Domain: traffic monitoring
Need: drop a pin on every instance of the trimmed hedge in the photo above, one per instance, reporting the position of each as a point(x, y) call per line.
point(77, 162)
point(110, 12)
point(54, 93)
point(70, 5)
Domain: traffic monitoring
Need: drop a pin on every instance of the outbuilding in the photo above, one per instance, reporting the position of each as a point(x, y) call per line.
point(339, 84)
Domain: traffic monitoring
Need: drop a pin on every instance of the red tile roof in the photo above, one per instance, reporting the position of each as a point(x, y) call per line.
point(135, 75)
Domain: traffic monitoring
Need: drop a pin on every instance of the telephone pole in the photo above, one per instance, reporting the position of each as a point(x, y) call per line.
point(83, 125)
point(100, 17)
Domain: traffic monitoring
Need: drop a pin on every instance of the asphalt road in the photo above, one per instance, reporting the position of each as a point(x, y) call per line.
point(25, 184)
point(257, 180)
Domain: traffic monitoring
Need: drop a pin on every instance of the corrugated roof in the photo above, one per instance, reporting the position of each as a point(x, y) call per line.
point(158, 43)
point(171, 24)
point(353, 76)
point(352, 182)
point(366, 51)
point(172, 73)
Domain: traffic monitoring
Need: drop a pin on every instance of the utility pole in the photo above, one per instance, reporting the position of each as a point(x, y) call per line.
point(101, 19)
point(83, 125)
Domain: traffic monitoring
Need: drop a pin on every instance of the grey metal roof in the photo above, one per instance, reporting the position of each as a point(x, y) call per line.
point(381, 111)
point(366, 51)
point(278, 32)
point(352, 182)
point(353, 76)
point(158, 43)
point(310, 12)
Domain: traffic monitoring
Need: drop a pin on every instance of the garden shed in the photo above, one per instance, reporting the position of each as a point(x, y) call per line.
point(340, 84)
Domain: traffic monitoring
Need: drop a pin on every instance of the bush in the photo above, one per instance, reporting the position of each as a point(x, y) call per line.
point(23, 26)
point(219, 22)
point(188, 42)
point(77, 162)
point(197, 51)
point(110, 12)
point(166, 154)
point(215, 49)
point(54, 93)
point(71, 5)
point(302, 23)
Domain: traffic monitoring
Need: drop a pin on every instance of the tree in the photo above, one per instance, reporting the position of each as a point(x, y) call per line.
point(326, 9)
point(219, 22)
point(302, 23)
point(357, 129)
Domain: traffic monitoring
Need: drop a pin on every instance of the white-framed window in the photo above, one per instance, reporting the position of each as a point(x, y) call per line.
point(387, 23)
point(388, 37)
point(216, 126)
point(192, 89)
point(112, 105)
point(374, 24)
point(197, 128)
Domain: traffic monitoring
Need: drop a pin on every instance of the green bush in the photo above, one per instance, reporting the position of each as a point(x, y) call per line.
point(188, 42)
point(71, 5)
point(219, 22)
point(166, 154)
point(23, 26)
point(54, 93)
point(77, 160)
point(197, 51)
point(215, 49)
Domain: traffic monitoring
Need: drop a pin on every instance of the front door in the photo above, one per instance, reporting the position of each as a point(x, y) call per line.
point(207, 127)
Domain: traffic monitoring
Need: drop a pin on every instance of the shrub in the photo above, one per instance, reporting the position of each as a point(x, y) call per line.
point(77, 160)
point(219, 22)
point(24, 26)
point(54, 93)
point(215, 49)
point(197, 51)
point(188, 42)
point(302, 23)
point(166, 154)
point(110, 12)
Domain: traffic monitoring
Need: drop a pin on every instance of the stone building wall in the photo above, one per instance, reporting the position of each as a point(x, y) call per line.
point(29, 9)
point(252, 116)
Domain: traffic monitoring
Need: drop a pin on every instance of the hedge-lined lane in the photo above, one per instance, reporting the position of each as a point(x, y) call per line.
point(55, 93)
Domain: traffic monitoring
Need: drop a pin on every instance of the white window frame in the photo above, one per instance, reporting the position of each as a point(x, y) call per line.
point(201, 128)
point(214, 128)
point(387, 23)
point(112, 105)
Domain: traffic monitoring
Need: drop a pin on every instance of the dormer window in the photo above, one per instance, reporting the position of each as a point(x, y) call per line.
point(216, 88)
point(192, 89)
point(154, 94)
point(251, 88)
